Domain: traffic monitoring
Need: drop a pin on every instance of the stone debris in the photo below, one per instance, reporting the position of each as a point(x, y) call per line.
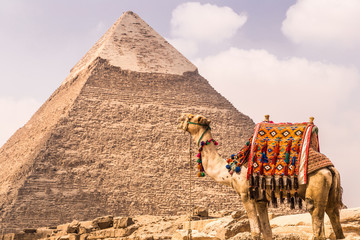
point(201, 212)
point(147, 227)
point(103, 222)
point(73, 227)
point(123, 222)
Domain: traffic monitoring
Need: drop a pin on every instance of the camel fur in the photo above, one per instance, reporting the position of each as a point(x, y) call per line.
point(322, 193)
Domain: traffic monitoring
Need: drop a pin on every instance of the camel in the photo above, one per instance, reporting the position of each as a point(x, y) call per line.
point(322, 193)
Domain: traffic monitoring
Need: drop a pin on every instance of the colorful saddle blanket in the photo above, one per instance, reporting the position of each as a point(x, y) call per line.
point(277, 156)
point(280, 150)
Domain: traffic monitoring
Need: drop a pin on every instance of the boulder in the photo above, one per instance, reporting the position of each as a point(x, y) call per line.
point(123, 222)
point(195, 235)
point(198, 225)
point(30, 230)
point(242, 236)
point(238, 214)
point(70, 237)
point(73, 227)
point(349, 215)
point(201, 212)
point(233, 229)
point(103, 222)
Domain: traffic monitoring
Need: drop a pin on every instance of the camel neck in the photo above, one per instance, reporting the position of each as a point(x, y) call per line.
point(213, 164)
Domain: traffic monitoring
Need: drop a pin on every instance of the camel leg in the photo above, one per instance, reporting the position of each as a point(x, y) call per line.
point(334, 215)
point(334, 204)
point(262, 209)
point(250, 208)
point(316, 196)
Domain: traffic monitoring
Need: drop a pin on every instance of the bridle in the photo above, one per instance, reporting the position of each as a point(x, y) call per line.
point(202, 135)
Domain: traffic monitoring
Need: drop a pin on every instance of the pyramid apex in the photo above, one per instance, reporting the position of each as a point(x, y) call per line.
point(129, 13)
point(131, 44)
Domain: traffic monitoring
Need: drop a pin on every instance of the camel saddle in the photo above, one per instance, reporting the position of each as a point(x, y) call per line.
point(285, 149)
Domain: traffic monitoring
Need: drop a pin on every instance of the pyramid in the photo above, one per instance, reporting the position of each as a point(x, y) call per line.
point(106, 143)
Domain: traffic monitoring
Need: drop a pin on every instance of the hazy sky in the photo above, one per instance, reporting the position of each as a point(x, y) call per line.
point(289, 59)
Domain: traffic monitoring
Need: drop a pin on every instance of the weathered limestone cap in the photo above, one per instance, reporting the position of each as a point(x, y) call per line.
point(132, 44)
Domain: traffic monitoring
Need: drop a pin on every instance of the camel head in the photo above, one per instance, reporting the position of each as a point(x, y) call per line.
point(192, 123)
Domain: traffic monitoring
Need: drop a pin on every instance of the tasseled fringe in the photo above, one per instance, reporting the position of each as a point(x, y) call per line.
point(251, 187)
point(281, 197)
point(273, 183)
point(251, 180)
point(252, 193)
point(288, 197)
point(264, 198)
point(256, 193)
point(292, 203)
point(288, 183)
point(281, 183)
point(273, 199)
point(300, 203)
point(263, 183)
point(296, 183)
point(257, 181)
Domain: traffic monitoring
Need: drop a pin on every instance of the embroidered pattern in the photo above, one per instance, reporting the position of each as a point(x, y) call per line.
point(288, 138)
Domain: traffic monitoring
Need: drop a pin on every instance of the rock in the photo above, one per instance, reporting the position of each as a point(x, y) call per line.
point(198, 225)
point(29, 230)
point(70, 237)
point(73, 227)
point(86, 227)
point(291, 220)
point(289, 236)
point(201, 212)
point(194, 218)
point(62, 227)
point(214, 227)
point(242, 236)
point(233, 229)
point(123, 222)
point(349, 215)
point(195, 235)
point(103, 222)
point(238, 214)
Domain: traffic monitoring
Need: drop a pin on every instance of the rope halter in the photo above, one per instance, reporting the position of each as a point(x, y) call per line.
point(202, 135)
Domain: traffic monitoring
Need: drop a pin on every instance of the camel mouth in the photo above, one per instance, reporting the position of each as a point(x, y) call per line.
point(183, 121)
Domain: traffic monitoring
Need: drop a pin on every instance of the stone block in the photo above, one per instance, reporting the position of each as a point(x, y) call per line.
point(233, 229)
point(195, 235)
point(103, 222)
point(73, 227)
point(238, 214)
point(123, 222)
point(29, 230)
point(62, 227)
point(201, 212)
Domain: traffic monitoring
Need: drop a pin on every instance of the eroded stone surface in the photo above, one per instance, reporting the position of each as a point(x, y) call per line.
point(106, 142)
point(132, 44)
point(176, 228)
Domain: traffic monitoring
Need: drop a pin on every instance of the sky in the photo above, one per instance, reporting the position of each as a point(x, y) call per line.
point(289, 59)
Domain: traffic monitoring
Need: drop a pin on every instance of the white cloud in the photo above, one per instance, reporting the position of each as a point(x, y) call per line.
point(193, 24)
point(324, 23)
point(187, 47)
point(257, 83)
point(14, 114)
